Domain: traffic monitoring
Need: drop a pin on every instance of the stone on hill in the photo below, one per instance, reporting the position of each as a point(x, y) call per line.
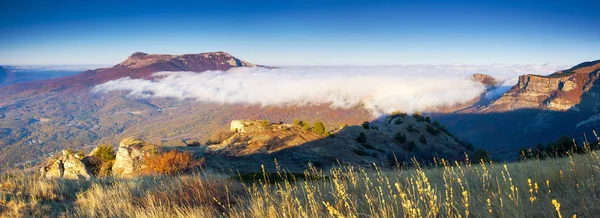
point(69, 166)
point(129, 160)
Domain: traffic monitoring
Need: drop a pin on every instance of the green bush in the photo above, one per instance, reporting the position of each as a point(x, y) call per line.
point(105, 153)
point(300, 123)
point(481, 154)
point(400, 137)
point(411, 128)
point(319, 128)
point(422, 139)
point(431, 129)
point(398, 122)
point(411, 146)
point(265, 123)
point(361, 138)
point(418, 116)
point(366, 125)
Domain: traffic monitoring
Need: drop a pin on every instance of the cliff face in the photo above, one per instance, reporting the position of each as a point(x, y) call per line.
point(560, 91)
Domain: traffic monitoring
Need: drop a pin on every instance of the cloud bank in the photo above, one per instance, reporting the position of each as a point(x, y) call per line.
point(379, 89)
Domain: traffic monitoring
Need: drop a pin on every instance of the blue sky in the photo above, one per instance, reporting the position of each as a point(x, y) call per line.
point(303, 32)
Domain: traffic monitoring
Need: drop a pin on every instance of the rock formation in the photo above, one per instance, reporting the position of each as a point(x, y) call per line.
point(130, 157)
point(70, 165)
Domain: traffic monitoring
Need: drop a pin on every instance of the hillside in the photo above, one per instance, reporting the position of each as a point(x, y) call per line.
point(257, 143)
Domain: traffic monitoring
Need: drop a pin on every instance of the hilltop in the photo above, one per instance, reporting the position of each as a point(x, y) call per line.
point(395, 140)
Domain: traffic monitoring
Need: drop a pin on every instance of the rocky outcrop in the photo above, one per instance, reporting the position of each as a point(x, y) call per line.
point(560, 91)
point(70, 165)
point(130, 157)
point(248, 125)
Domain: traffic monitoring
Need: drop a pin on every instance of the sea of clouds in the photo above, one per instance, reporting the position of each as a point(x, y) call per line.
point(379, 89)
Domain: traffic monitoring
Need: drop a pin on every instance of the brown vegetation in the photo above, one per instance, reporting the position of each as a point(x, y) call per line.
point(171, 162)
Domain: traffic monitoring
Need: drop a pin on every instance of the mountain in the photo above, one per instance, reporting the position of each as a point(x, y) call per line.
point(538, 109)
point(559, 91)
point(40, 118)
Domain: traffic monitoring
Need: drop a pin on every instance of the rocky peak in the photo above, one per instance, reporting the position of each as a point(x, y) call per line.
point(186, 62)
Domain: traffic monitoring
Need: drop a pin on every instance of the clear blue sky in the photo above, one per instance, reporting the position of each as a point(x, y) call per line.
point(303, 32)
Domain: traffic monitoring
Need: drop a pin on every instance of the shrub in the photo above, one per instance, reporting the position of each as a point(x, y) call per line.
point(431, 129)
point(398, 122)
point(194, 144)
point(400, 137)
point(397, 114)
point(411, 128)
point(105, 153)
point(366, 125)
point(481, 154)
point(74, 152)
point(418, 116)
point(319, 128)
point(300, 123)
point(428, 119)
point(171, 162)
point(422, 139)
point(362, 137)
point(306, 127)
point(469, 146)
point(265, 123)
point(411, 146)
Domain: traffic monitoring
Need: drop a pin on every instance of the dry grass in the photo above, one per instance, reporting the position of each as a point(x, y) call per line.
point(550, 188)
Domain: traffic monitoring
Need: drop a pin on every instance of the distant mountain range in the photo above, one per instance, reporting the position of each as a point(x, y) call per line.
point(39, 118)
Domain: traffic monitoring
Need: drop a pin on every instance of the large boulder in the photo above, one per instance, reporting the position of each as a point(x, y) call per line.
point(70, 165)
point(130, 157)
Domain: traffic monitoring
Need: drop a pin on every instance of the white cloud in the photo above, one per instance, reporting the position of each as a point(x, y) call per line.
point(381, 89)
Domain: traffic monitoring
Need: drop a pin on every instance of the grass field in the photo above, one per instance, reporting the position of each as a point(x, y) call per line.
point(565, 187)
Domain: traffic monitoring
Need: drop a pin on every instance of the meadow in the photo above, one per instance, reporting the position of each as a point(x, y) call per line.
point(561, 187)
